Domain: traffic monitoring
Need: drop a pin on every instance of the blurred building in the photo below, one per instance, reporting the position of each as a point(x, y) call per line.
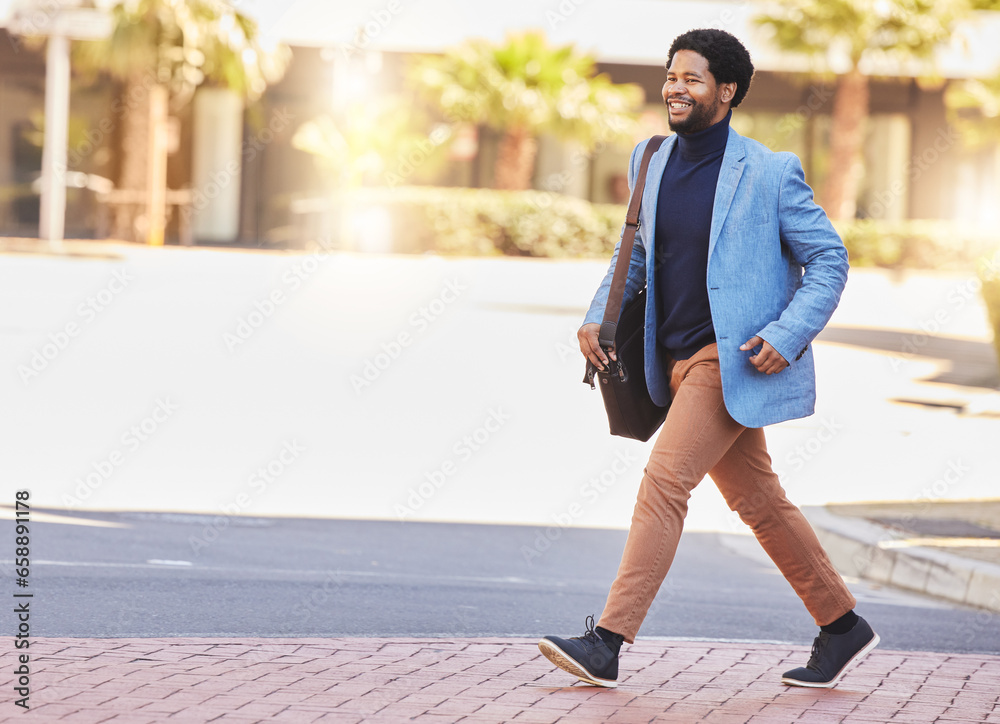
point(916, 164)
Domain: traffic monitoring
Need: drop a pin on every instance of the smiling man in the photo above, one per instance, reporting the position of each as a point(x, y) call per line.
point(742, 271)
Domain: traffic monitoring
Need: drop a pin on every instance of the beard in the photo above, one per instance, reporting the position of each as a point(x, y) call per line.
point(698, 118)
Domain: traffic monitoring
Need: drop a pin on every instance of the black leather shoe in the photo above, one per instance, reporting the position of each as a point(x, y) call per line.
point(831, 655)
point(587, 657)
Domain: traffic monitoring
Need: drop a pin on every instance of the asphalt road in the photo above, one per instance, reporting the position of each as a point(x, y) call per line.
point(167, 574)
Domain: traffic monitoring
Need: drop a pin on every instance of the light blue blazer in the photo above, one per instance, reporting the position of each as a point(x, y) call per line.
point(776, 268)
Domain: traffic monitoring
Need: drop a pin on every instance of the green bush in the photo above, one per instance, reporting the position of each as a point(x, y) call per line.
point(917, 244)
point(989, 274)
point(485, 222)
point(525, 223)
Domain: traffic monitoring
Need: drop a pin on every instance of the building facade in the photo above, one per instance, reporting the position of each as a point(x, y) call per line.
point(250, 184)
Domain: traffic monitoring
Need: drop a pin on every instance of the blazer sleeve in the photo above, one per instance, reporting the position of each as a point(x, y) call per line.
point(815, 245)
point(637, 265)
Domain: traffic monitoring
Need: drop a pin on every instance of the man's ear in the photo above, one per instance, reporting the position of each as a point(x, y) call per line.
point(727, 91)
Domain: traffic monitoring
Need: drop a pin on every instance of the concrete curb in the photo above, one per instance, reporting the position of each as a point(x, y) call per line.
point(858, 548)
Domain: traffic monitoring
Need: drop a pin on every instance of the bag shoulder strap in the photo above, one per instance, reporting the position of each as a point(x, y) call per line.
point(613, 308)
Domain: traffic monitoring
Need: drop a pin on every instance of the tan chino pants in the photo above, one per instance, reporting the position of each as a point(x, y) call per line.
point(698, 437)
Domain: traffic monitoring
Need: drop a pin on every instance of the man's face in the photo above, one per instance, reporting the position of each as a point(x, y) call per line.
point(694, 100)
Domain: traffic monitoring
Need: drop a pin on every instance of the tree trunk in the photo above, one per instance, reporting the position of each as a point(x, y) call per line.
point(515, 160)
point(133, 178)
point(850, 109)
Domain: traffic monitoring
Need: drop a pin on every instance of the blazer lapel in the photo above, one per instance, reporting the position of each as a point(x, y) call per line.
point(650, 194)
point(725, 189)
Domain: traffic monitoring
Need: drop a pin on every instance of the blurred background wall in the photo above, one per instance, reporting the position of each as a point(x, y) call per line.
point(253, 185)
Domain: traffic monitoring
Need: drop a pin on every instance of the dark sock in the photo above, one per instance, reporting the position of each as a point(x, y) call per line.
point(842, 625)
point(612, 640)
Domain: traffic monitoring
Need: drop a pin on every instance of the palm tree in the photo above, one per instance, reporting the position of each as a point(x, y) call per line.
point(857, 30)
point(165, 49)
point(364, 144)
point(974, 109)
point(525, 88)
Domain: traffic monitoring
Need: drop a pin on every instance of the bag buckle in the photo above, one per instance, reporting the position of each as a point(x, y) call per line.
point(616, 366)
point(621, 371)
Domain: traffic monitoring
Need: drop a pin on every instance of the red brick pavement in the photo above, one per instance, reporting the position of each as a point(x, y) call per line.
point(146, 681)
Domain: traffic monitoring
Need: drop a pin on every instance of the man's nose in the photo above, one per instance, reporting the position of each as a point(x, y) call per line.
point(674, 88)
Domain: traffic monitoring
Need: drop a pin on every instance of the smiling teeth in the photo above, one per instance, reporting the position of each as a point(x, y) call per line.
point(679, 105)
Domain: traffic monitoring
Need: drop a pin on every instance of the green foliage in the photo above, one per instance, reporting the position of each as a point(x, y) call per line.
point(903, 28)
point(485, 222)
point(527, 84)
point(989, 274)
point(524, 223)
point(371, 143)
point(184, 43)
point(974, 109)
point(35, 134)
point(917, 244)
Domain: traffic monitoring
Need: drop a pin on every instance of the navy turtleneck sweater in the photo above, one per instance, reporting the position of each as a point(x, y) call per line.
point(683, 224)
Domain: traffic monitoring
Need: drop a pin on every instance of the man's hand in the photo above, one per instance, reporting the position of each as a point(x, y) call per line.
point(768, 361)
point(590, 345)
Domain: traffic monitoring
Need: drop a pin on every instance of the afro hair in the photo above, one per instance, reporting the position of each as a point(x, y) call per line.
point(728, 60)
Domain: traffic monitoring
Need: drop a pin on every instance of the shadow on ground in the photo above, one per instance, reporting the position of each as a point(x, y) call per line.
point(971, 363)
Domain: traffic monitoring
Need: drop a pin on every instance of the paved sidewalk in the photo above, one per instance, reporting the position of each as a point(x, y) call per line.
point(144, 681)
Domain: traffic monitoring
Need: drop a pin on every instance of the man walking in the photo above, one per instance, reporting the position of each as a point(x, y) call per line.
point(742, 271)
